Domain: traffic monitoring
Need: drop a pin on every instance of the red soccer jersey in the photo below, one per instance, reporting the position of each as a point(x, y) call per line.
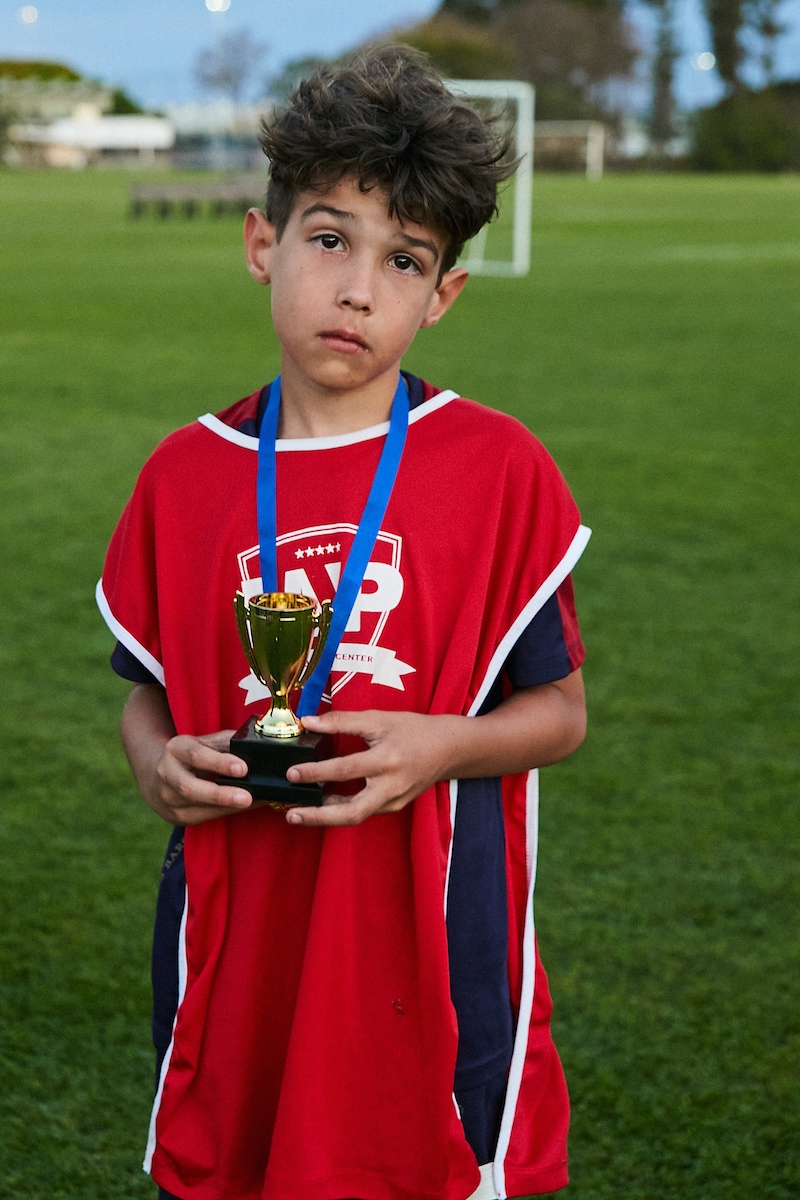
point(314, 1047)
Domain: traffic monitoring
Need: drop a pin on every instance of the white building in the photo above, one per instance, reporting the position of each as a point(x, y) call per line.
point(87, 138)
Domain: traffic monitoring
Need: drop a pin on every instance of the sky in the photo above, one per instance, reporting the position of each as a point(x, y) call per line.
point(149, 46)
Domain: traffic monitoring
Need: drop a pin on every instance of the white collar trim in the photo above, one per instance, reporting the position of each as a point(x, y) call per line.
point(325, 443)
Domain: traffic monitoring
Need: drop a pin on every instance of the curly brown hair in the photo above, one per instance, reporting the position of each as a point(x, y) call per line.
point(388, 121)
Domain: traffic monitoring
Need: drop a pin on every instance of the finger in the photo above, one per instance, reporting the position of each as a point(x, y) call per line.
point(334, 770)
point(195, 814)
point(340, 810)
point(366, 724)
point(195, 755)
point(181, 788)
point(218, 741)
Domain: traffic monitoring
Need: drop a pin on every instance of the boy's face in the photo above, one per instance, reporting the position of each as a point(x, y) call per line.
point(350, 286)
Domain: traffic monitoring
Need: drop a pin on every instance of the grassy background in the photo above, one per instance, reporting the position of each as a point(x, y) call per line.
point(654, 349)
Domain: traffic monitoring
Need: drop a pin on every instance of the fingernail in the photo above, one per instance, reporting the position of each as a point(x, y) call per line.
point(242, 798)
point(293, 774)
point(238, 768)
point(294, 817)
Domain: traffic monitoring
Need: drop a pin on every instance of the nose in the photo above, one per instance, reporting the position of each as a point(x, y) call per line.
point(356, 290)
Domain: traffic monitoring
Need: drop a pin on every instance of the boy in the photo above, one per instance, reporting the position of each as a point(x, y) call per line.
point(349, 1005)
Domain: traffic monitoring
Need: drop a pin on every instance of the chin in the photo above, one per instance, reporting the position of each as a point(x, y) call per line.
point(341, 376)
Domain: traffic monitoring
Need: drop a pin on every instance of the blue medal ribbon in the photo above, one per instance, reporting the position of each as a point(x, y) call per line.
point(363, 543)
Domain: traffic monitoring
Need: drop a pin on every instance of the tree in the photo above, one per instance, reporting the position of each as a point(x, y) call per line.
point(569, 52)
point(662, 113)
point(280, 87)
point(460, 49)
point(476, 11)
point(228, 65)
point(762, 17)
point(122, 104)
point(726, 19)
point(6, 121)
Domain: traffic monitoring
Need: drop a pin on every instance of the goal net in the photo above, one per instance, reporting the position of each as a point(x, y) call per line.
point(504, 246)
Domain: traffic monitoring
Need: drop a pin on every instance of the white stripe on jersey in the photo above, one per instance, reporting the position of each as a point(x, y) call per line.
point(182, 970)
point(325, 443)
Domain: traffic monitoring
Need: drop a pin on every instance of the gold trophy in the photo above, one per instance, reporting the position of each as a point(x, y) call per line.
point(277, 630)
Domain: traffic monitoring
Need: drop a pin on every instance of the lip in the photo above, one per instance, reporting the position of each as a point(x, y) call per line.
point(343, 340)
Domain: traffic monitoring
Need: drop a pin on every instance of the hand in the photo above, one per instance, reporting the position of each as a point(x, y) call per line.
point(178, 788)
point(406, 753)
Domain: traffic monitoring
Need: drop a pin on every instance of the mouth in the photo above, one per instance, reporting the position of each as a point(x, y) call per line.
point(344, 340)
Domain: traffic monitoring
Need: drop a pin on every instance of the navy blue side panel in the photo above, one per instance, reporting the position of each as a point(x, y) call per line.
point(477, 935)
point(252, 426)
point(481, 1113)
point(540, 654)
point(416, 391)
point(169, 912)
point(128, 666)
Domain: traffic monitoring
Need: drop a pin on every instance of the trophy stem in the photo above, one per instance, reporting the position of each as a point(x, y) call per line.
point(280, 721)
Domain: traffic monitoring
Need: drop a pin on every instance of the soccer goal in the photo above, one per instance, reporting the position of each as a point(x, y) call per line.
point(504, 246)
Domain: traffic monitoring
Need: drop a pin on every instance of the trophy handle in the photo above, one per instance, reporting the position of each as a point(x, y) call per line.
point(240, 608)
point(322, 620)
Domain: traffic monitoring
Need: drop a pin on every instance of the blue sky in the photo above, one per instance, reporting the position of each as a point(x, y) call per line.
point(149, 46)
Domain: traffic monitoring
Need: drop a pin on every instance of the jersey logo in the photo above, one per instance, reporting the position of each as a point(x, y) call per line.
point(311, 562)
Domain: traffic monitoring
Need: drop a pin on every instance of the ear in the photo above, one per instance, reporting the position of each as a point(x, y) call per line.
point(448, 288)
point(259, 237)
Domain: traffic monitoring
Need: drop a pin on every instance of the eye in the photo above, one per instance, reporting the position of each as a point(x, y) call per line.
point(329, 241)
point(404, 262)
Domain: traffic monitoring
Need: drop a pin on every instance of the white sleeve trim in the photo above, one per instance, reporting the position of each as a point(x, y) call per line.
point(550, 585)
point(127, 639)
point(230, 435)
point(431, 406)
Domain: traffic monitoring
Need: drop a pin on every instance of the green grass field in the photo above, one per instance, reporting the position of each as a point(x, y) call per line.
point(654, 349)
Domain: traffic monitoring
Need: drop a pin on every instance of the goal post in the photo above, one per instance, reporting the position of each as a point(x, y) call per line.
point(518, 96)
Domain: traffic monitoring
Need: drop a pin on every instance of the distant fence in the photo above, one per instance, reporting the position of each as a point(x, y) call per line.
point(195, 199)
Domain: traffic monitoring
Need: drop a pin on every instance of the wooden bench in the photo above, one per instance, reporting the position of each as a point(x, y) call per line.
point(192, 199)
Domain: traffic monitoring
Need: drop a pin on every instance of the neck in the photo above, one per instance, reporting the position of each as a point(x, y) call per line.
point(311, 411)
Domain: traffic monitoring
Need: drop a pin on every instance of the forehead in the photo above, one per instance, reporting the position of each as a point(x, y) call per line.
point(366, 208)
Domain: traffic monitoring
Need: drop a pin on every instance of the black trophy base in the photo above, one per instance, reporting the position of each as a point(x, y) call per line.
point(268, 759)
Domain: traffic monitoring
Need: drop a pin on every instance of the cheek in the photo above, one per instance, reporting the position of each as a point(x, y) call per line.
point(292, 300)
point(408, 315)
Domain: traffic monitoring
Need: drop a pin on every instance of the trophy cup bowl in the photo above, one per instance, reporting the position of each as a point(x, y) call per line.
point(277, 630)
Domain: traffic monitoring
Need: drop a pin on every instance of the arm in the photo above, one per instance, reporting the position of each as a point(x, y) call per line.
point(169, 769)
point(407, 752)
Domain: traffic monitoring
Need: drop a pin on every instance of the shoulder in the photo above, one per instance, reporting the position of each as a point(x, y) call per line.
point(202, 443)
point(492, 433)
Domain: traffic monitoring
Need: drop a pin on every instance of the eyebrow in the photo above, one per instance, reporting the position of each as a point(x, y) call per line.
point(422, 243)
point(328, 208)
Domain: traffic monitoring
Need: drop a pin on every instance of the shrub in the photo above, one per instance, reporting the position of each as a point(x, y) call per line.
point(17, 68)
point(750, 131)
